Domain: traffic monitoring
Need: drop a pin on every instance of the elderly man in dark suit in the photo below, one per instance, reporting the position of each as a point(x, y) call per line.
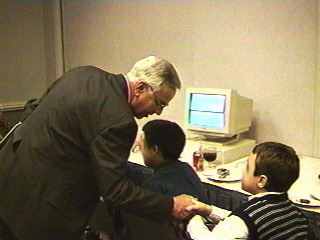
point(73, 148)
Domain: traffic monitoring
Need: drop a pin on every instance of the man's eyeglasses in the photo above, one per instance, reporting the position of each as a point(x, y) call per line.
point(157, 101)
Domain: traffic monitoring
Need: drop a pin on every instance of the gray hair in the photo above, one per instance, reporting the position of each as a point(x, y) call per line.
point(155, 71)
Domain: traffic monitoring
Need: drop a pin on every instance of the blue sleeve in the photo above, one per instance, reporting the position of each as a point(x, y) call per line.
point(154, 185)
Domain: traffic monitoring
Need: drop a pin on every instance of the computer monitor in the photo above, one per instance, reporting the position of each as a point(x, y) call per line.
point(217, 114)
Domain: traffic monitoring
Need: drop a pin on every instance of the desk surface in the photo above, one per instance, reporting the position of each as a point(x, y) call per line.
point(307, 183)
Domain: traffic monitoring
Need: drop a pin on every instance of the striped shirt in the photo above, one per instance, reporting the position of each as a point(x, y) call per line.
point(273, 217)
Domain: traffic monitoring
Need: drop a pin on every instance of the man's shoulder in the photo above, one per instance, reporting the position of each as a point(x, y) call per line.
point(88, 69)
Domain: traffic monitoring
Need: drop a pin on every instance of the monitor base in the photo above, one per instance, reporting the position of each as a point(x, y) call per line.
point(221, 141)
point(230, 152)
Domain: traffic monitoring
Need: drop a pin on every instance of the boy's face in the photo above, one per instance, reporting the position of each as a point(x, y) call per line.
point(149, 154)
point(251, 183)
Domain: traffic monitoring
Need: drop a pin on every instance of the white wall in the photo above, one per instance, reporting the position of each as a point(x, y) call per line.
point(267, 50)
point(29, 54)
point(264, 49)
point(22, 68)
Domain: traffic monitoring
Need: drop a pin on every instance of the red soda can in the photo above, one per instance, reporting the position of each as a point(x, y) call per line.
point(198, 161)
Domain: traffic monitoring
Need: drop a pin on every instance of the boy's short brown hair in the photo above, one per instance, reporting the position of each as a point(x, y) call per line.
point(279, 163)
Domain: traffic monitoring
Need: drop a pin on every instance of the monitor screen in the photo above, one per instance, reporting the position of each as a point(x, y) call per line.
point(207, 110)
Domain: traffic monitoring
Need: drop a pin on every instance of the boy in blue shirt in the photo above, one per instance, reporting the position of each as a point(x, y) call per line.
point(161, 144)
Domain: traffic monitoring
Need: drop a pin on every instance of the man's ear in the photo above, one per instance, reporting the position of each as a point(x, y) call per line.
point(262, 182)
point(140, 88)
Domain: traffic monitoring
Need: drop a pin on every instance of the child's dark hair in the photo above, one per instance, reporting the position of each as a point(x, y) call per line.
point(167, 136)
point(279, 163)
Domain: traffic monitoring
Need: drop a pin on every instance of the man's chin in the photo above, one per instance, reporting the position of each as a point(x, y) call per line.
point(144, 116)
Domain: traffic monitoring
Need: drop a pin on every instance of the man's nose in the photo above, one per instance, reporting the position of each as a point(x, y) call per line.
point(159, 111)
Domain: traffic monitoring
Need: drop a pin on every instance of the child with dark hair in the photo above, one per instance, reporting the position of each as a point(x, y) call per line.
point(162, 143)
point(269, 214)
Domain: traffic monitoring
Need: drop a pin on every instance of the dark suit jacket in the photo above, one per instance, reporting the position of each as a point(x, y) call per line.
point(68, 152)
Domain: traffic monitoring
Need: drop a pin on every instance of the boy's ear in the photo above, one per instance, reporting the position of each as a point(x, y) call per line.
point(155, 149)
point(262, 182)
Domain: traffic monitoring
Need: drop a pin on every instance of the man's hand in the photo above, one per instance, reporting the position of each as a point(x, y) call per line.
point(200, 208)
point(181, 202)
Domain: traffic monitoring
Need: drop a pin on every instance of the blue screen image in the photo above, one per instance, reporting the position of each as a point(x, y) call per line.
point(207, 110)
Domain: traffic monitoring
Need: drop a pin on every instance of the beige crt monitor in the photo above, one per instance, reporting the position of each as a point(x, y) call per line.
point(219, 115)
point(215, 118)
